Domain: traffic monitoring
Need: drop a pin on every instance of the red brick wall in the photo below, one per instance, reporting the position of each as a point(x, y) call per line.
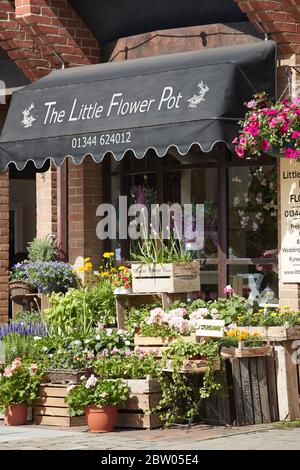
point(32, 31)
point(85, 194)
point(46, 203)
point(4, 245)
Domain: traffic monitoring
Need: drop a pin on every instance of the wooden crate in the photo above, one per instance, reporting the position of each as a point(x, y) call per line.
point(144, 395)
point(166, 277)
point(246, 351)
point(157, 343)
point(254, 390)
point(274, 333)
point(50, 408)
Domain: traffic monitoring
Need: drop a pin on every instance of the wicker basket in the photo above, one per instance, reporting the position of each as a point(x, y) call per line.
point(20, 288)
point(65, 376)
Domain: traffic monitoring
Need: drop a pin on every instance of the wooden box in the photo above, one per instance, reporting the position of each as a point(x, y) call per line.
point(50, 408)
point(144, 395)
point(168, 277)
point(274, 333)
point(246, 351)
point(157, 343)
point(192, 366)
point(254, 390)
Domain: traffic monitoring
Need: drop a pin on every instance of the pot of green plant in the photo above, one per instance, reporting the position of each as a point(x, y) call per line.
point(99, 400)
point(18, 388)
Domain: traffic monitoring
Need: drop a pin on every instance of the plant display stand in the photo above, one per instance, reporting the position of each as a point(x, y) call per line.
point(254, 390)
point(124, 301)
point(165, 277)
point(50, 408)
point(144, 395)
point(274, 333)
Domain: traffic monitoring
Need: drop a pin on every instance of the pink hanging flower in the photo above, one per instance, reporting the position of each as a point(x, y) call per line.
point(265, 145)
point(295, 134)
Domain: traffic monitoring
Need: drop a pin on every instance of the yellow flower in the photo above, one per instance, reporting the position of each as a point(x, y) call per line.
point(104, 274)
point(122, 268)
point(108, 254)
point(87, 259)
point(88, 267)
point(274, 314)
point(80, 269)
point(255, 334)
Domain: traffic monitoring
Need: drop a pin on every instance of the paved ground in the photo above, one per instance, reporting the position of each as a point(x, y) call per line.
point(198, 438)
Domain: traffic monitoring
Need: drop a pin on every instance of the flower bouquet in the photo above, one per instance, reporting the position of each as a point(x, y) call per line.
point(268, 128)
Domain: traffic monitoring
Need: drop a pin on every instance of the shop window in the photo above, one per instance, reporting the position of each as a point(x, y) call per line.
point(252, 212)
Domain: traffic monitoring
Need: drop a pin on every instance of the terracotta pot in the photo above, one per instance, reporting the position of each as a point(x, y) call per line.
point(15, 415)
point(101, 419)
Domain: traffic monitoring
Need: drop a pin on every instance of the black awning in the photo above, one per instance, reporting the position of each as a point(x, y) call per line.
point(171, 100)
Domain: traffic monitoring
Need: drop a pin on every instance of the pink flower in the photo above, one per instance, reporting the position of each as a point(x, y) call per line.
point(254, 130)
point(265, 145)
point(8, 372)
point(90, 355)
point(33, 369)
point(296, 154)
point(243, 141)
point(251, 104)
point(228, 290)
point(239, 151)
point(253, 117)
point(199, 314)
point(156, 316)
point(297, 112)
point(295, 134)
point(288, 153)
point(235, 140)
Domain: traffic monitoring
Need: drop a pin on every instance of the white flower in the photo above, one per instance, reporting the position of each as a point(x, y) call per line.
point(109, 331)
point(127, 343)
point(82, 377)
point(97, 337)
point(36, 338)
point(91, 381)
point(236, 201)
point(77, 342)
point(254, 227)
point(103, 395)
point(86, 341)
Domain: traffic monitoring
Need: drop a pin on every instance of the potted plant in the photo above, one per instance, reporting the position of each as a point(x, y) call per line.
point(19, 284)
point(269, 128)
point(122, 280)
point(18, 388)
point(164, 266)
point(98, 400)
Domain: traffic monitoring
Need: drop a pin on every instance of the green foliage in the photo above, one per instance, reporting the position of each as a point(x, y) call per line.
point(75, 352)
point(130, 365)
point(96, 392)
point(19, 384)
point(27, 316)
point(183, 393)
point(135, 316)
point(17, 345)
point(270, 317)
point(102, 303)
point(18, 273)
point(231, 308)
point(155, 329)
point(42, 249)
point(157, 250)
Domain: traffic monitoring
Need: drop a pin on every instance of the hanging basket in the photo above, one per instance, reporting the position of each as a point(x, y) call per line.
point(19, 288)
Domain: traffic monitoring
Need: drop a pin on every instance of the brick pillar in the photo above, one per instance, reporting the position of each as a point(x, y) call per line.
point(46, 203)
point(85, 194)
point(4, 245)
